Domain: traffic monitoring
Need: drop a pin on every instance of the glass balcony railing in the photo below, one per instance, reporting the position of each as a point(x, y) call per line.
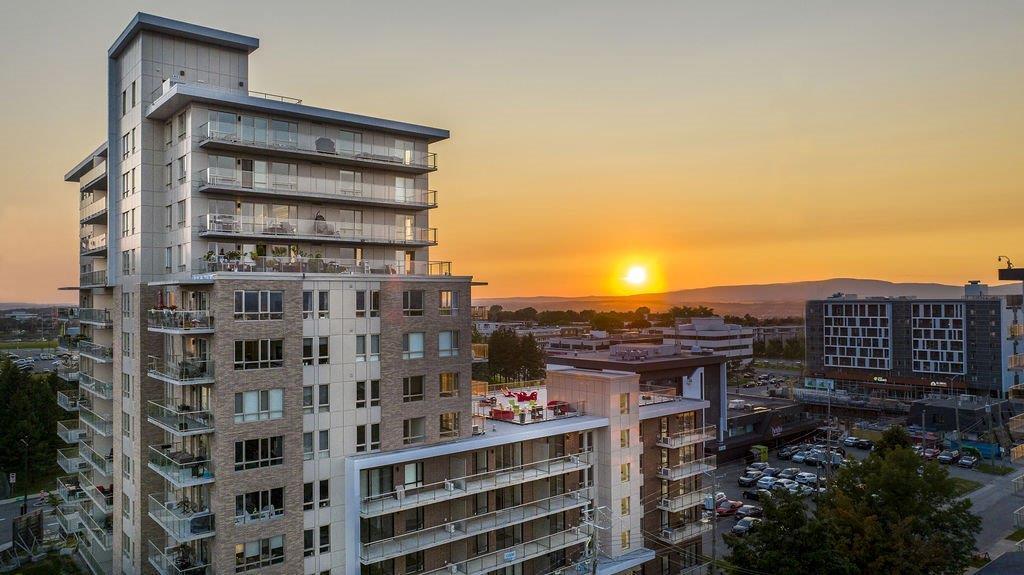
point(68, 373)
point(178, 418)
point(70, 431)
point(317, 230)
point(103, 464)
point(93, 176)
point(323, 147)
point(93, 243)
point(675, 535)
point(101, 495)
point(525, 413)
point(68, 342)
point(182, 519)
point(94, 278)
point(413, 541)
point(688, 469)
point(70, 460)
point(97, 558)
point(309, 187)
point(182, 370)
point(101, 423)
point(686, 437)
point(180, 467)
point(458, 487)
point(315, 265)
point(177, 560)
point(682, 501)
point(68, 399)
point(94, 316)
point(69, 490)
point(68, 519)
point(98, 387)
point(93, 209)
point(99, 526)
point(515, 554)
point(96, 352)
point(179, 319)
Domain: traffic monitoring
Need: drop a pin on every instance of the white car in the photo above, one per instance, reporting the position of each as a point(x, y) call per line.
point(766, 482)
point(806, 478)
point(787, 484)
point(46, 356)
point(850, 441)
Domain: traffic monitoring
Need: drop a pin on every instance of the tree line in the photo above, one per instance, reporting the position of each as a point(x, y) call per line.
point(29, 412)
point(641, 317)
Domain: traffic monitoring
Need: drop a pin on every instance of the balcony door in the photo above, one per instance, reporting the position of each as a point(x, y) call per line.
point(405, 227)
point(404, 189)
point(406, 151)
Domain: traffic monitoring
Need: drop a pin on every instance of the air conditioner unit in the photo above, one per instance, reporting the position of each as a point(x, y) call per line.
point(478, 430)
point(450, 528)
point(449, 486)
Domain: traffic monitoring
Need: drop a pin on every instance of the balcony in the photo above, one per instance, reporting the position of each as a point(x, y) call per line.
point(182, 370)
point(93, 279)
point(684, 500)
point(1016, 362)
point(226, 136)
point(94, 213)
point(177, 560)
point(480, 352)
point(532, 411)
point(69, 490)
point(516, 554)
point(97, 317)
point(179, 419)
point(98, 387)
point(96, 352)
point(687, 437)
point(470, 484)
point(179, 321)
point(688, 469)
point(101, 496)
point(314, 265)
point(68, 343)
point(103, 464)
point(411, 542)
point(315, 230)
point(68, 519)
point(67, 399)
point(92, 245)
point(181, 468)
point(1017, 331)
point(1016, 423)
point(94, 179)
point(89, 415)
point(96, 558)
point(1017, 453)
point(66, 314)
point(183, 520)
point(68, 373)
point(70, 460)
point(70, 431)
point(281, 186)
point(98, 524)
point(676, 535)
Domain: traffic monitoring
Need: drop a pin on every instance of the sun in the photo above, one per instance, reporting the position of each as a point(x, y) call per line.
point(636, 275)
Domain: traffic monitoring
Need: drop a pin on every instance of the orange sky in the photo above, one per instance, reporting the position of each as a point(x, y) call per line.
point(752, 143)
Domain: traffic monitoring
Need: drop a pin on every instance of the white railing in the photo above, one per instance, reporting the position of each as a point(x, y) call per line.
point(687, 437)
point(68, 399)
point(178, 466)
point(675, 535)
point(102, 464)
point(180, 518)
point(316, 230)
point(93, 242)
point(1018, 517)
point(309, 187)
point(95, 208)
point(176, 560)
point(179, 419)
point(179, 319)
point(70, 431)
point(688, 469)
point(683, 501)
point(317, 265)
point(68, 489)
point(98, 387)
point(515, 554)
point(103, 497)
point(70, 460)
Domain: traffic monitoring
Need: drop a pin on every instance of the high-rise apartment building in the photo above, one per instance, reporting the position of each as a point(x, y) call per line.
point(274, 377)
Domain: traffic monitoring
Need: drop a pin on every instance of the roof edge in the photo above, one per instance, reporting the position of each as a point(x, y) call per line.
point(143, 21)
point(86, 164)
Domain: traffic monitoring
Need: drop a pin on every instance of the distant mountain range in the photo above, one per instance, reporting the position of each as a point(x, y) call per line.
point(761, 300)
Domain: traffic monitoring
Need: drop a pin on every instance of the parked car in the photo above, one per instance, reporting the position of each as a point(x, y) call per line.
point(787, 452)
point(749, 511)
point(851, 441)
point(757, 494)
point(728, 507)
point(760, 466)
point(46, 356)
point(799, 457)
point(744, 525)
point(789, 473)
point(814, 457)
point(967, 461)
point(749, 478)
point(806, 478)
point(766, 482)
point(918, 450)
point(865, 444)
point(808, 490)
point(787, 484)
point(930, 453)
point(948, 456)
point(771, 471)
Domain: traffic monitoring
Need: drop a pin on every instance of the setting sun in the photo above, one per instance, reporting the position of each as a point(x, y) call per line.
point(636, 275)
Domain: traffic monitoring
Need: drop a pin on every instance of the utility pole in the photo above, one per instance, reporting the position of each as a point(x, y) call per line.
point(24, 490)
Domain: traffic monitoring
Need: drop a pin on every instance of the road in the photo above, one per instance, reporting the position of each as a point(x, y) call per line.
point(8, 511)
point(992, 502)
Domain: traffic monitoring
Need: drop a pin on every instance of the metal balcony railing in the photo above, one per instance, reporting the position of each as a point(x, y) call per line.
point(1017, 453)
point(68, 518)
point(93, 243)
point(178, 418)
point(686, 437)
point(180, 467)
point(68, 399)
point(95, 278)
point(182, 519)
point(688, 469)
point(70, 431)
point(322, 147)
point(68, 489)
point(182, 370)
point(68, 373)
point(1016, 362)
point(317, 265)
point(70, 460)
point(1018, 517)
point(308, 187)
point(317, 230)
point(102, 424)
point(515, 554)
point(525, 413)
point(179, 319)
point(96, 352)
point(675, 535)
point(94, 316)
point(407, 498)
point(683, 501)
point(103, 464)
point(98, 387)
point(177, 560)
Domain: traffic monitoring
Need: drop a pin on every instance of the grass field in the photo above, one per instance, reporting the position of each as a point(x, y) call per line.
point(994, 469)
point(965, 486)
point(41, 344)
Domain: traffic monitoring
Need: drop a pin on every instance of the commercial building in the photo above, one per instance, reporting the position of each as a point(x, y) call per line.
point(736, 342)
point(781, 333)
point(905, 348)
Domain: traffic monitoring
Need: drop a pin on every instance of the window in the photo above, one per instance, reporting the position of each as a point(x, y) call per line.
point(323, 304)
point(448, 303)
point(325, 539)
point(307, 399)
point(168, 134)
point(168, 259)
point(126, 506)
point(307, 305)
point(412, 476)
point(284, 133)
point(124, 102)
point(259, 305)
point(168, 180)
point(624, 472)
point(307, 496)
point(624, 438)
point(373, 387)
point(308, 546)
point(449, 384)
point(181, 214)
point(307, 445)
point(259, 353)
point(623, 403)
point(323, 397)
point(134, 148)
point(323, 444)
point(361, 303)
point(448, 344)
point(182, 169)
point(126, 304)
point(254, 555)
point(182, 125)
point(126, 385)
point(413, 430)
point(412, 345)
point(412, 388)
point(367, 433)
point(135, 96)
point(262, 452)
point(124, 224)
point(324, 499)
point(412, 302)
point(124, 148)
point(449, 424)
point(414, 563)
point(126, 263)
point(368, 352)
point(126, 344)
point(624, 539)
point(126, 547)
point(349, 142)
point(315, 350)
point(126, 465)
point(126, 424)
point(624, 506)
point(259, 405)
point(259, 505)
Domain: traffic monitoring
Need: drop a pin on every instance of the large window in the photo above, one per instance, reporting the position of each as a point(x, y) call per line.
point(412, 345)
point(259, 505)
point(368, 393)
point(412, 388)
point(412, 302)
point(449, 384)
point(448, 302)
point(448, 344)
point(368, 437)
point(414, 430)
point(259, 405)
point(253, 555)
point(367, 303)
point(262, 452)
point(449, 424)
point(254, 305)
point(323, 304)
point(315, 350)
point(284, 133)
point(368, 348)
point(259, 353)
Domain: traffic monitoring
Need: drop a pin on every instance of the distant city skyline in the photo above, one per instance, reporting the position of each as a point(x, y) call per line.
point(706, 144)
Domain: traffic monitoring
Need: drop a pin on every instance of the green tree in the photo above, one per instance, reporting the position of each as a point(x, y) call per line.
point(494, 312)
point(606, 321)
point(502, 351)
point(531, 358)
point(896, 437)
point(525, 314)
point(30, 412)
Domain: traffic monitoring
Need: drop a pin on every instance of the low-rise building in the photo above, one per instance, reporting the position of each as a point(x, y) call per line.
point(736, 342)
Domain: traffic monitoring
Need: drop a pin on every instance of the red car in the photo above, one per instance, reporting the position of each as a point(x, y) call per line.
point(728, 507)
point(930, 453)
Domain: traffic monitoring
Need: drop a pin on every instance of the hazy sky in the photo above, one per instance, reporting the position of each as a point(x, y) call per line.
point(712, 142)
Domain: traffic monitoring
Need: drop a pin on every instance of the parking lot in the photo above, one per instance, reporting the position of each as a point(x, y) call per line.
point(40, 365)
point(993, 502)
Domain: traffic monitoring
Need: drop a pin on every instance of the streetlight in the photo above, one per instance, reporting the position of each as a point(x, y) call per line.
point(24, 490)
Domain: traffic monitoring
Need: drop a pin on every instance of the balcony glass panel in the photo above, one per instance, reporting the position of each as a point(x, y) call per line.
point(302, 264)
point(179, 418)
point(177, 560)
point(182, 519)
point(179, 319)
point(184, 369)
point(179, 466)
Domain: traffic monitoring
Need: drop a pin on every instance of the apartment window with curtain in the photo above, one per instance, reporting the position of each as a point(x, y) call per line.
point(259, 405)
point(448, 344)
point(449, 384)
point(323, 444)
point(323, 304)
point(624, 438)
point(448, 303)
point(367, 348)
point(412, 345)
point(449, 424)
point(624, 472)
point(253, 555)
